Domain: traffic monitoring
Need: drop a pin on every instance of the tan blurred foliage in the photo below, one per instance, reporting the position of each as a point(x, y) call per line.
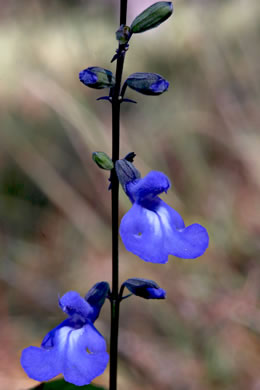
point(55, 207)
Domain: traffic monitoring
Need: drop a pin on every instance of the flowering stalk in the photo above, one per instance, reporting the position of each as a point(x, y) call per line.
point(151, 229)
point(114, 196)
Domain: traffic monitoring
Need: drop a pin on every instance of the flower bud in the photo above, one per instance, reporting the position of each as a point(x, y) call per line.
point(145, 288)
point(103, 160)
point(152, 17)
point(96, 297)
point(97, 294)
point(147, 83)
point(126, 172)
point(98, 78)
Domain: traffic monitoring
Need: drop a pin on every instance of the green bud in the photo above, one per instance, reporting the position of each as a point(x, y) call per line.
point(123, 34)
point(102, 160)
point(96, 77)
point(152, 17)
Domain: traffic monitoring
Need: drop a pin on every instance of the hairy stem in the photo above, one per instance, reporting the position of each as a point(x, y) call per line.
point(115, 300)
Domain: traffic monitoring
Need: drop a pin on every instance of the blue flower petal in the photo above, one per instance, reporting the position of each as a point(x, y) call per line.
point(74, 348)
point(80, 354)
point(82, 366)
point(152, 184)
point(152, 230)
point(41, 364)
point(160, 86)
point(49, 339)
point(156, 293)
point(72, 303)
point(87, 77)
point(188, 243)
point(142, 234)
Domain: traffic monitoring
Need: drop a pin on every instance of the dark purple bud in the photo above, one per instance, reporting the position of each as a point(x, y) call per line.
point(126, 172)
point(96, 297)
point(147, 83)
point(96, 77)
point(145, 288)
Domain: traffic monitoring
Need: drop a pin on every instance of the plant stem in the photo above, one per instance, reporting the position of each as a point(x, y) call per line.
point(115, 301)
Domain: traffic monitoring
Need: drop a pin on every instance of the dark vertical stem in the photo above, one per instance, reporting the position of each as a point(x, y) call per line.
point(115, 194)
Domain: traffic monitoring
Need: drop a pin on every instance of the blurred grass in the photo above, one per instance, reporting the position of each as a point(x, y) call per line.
point(55, 207)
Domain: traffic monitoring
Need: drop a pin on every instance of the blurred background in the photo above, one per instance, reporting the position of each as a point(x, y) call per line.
point(54, 204)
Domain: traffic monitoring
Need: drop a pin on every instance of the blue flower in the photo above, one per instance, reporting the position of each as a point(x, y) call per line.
point(153, 230)
point(74, 348)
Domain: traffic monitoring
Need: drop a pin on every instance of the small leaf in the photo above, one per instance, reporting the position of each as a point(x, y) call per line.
point(103, 160)
point(60, 384)
point(152, 17)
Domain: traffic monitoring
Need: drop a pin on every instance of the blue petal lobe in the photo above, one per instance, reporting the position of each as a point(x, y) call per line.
point(92, 339)
point(160, 86)
point(49, 340)
point(85, 367)
point(81, 367)
point(72, 303)
point(188, 243)
point(156, 293)
point(41, 364)
point(87, 77)
point(152, 230)
point(142, 234)
point(169, 217)
point(152, 184)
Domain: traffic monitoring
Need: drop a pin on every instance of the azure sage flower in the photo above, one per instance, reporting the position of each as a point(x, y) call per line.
point(74, 348)
point(153, 230)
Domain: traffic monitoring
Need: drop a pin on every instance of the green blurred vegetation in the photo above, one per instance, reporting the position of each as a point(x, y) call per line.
point(61, 384)
point(55, 207)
